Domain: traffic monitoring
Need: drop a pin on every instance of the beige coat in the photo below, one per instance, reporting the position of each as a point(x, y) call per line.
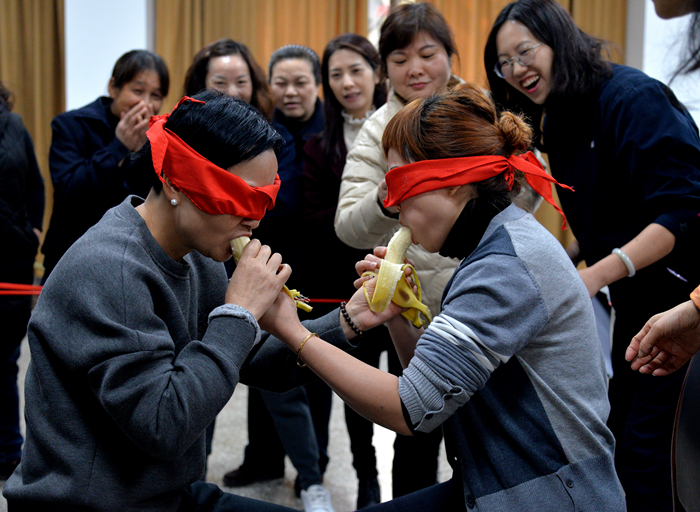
point(359, 221)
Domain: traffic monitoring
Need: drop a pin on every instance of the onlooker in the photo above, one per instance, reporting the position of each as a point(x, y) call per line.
point(89, 146)
point(634, 212)
point(21, 217)
point(229, 66)
point(353, 88)
point(416, 48)
point(294, 76)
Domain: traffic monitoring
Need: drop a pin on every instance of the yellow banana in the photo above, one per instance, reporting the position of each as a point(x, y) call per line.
point(238, 244)
point(392, 285)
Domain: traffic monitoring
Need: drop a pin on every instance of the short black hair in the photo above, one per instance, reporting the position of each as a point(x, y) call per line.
point(6, 98)
point(296, 51)
point(224, 130)
point(134, 62)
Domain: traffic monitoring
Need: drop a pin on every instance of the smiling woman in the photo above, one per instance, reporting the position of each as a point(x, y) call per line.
point(634, 212)
point(89, 147)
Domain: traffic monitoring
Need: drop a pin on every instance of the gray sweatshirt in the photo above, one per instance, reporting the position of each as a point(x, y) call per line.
point(513, 368)
point(132, 356)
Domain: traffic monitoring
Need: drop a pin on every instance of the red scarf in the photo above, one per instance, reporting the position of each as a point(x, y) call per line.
point(212, 189)
point(419, 177)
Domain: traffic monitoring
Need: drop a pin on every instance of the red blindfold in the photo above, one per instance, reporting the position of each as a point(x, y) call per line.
point(210, 188)
point(419, 177)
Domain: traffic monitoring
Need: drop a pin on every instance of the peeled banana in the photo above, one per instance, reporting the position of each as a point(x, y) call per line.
point(238, 244)
point(392, 284)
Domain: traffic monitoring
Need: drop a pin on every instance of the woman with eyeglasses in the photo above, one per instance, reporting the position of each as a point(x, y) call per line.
point(631, 152)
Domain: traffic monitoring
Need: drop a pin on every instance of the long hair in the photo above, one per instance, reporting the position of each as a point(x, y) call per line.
point(458, 123)
point(405, 21)
point(332, 135)
point(195, 79)
point(692, 59)
point(578, 67)
point(225, 130)
point(134, 62)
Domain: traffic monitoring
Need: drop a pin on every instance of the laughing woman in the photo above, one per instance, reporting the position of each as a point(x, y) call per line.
point(632, 153)
point(511, 367)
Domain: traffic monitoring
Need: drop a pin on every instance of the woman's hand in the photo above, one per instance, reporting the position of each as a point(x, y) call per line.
point(258, 279)
point(131, 129)
point(667, 341)
point(281, 319)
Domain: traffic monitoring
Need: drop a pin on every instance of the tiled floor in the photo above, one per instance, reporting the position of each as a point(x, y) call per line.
point(230, 438)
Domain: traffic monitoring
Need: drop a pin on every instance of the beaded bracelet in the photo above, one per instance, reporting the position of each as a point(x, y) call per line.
point(299, 363)
point(346, 315)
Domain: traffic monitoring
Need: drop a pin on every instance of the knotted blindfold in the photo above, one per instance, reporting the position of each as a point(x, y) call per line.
point(419, 177)
point(210, 188)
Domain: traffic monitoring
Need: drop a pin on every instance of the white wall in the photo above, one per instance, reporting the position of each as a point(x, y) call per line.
point(656, 46)
point(97, 33)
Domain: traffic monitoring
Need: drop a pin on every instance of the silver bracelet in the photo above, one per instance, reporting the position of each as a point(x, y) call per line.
point(627, 261)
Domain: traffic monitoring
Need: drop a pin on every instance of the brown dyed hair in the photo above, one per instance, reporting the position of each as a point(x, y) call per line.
point(405, 21)
point(197, 72)
point(457, 123)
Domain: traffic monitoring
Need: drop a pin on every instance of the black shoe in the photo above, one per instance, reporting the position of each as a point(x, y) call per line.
point(245, 476)
point(368, 493)
point(7, 468)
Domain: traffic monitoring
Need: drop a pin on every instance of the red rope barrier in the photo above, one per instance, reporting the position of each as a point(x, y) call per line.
point(19, 289)
point(32, 289)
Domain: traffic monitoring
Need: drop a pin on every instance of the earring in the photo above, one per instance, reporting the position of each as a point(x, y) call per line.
point(173, 202)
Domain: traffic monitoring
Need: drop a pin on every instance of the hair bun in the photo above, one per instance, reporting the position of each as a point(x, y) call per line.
point(517, 134)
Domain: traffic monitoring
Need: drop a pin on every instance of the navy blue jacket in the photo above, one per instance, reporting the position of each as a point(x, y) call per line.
point(632, 154)
point(281, 226)
point(87, 178)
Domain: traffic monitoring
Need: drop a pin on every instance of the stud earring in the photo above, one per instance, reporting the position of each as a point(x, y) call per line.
point(173, 202)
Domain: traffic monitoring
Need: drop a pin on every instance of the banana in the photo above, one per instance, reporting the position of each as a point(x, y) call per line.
point(238, 244)
point(392, 284)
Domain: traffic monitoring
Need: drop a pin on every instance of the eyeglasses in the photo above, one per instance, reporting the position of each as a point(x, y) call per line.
point(504, 68)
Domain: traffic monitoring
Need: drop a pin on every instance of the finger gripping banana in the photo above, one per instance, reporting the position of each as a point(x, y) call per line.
point(238, 244)
point(392, 284)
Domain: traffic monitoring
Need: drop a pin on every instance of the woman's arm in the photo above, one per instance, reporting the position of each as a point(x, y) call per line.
point(652, 244)
point(405, 337)
point(371, 392)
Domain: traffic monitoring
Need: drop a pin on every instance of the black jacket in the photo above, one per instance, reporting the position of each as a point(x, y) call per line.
point(21, 194)
point(87, 178)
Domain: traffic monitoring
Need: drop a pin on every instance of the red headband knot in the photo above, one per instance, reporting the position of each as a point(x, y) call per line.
point(210, 188)
point(419, 177)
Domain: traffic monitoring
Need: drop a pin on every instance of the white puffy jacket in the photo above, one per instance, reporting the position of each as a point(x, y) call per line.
point(360, 222)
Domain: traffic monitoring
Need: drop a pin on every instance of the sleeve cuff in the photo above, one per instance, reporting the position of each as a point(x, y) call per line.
point(237, 312)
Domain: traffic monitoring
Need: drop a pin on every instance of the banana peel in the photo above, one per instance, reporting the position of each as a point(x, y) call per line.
point(238, 244)
point(392, 284)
